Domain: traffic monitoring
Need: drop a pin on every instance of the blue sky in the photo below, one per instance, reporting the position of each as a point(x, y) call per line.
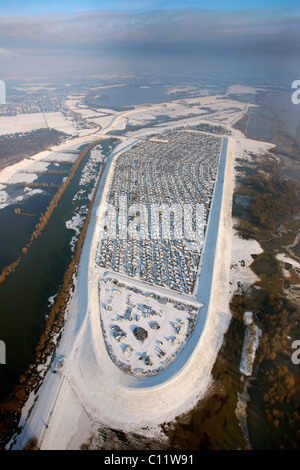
point(153, 35)
point(34, 7)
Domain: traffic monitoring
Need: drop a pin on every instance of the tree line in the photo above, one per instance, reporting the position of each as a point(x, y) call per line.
point(282, 406)
point(280, 319)
point(44, 218)
point(17, 211)
point(275, 202)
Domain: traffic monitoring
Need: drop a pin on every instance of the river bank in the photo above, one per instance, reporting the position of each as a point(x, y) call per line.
point(276, 269)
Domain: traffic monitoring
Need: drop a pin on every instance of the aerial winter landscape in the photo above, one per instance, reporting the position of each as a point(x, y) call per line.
point(149, 255)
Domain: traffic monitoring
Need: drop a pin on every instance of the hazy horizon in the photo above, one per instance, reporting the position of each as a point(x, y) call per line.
point(160, 37)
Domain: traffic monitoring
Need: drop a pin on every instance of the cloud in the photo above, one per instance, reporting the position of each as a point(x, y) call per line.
point(254, 34)
point(7, 55)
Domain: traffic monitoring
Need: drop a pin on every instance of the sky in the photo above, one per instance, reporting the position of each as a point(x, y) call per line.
point(91, 36)
point(30, 7)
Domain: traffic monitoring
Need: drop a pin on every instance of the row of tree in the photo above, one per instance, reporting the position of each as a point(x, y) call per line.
point(53, 172)
point(17, 211)
point(11, 406)
point(35, 184)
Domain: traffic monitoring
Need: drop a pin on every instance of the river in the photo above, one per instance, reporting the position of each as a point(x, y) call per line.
point(26, 294)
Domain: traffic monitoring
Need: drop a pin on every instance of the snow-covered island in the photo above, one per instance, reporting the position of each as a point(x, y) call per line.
point(135, 352)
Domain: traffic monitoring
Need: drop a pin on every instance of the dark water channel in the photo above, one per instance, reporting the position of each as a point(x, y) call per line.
point(24, 296)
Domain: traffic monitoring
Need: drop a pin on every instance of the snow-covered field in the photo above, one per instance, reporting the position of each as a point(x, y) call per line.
point(37, 167)
point(30, 122)
point(26, 171)
point(84, 388)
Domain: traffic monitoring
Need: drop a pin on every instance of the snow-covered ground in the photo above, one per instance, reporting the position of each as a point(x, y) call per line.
point(33, 121)
point(76, 224)
point(22, 178)
point(26, 171)
point(89, 173)
point(84, 388)
point(143, 331)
